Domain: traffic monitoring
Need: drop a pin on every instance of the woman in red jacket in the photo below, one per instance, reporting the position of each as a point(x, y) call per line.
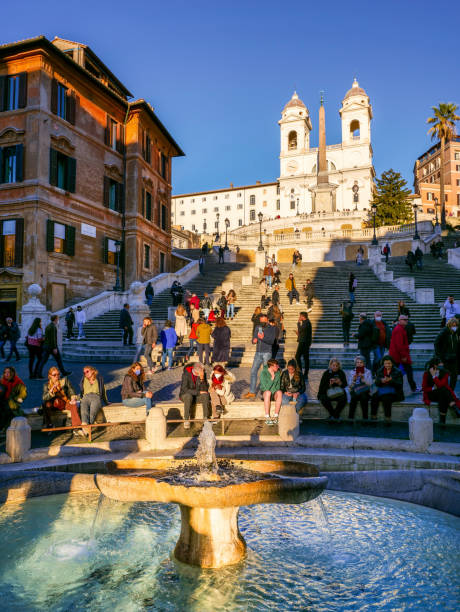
point(192, 339)
point(435, 386)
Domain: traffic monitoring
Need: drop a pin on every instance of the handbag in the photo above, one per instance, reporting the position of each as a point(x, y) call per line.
point(359, 389)
point(387, 390)
point(335, 392)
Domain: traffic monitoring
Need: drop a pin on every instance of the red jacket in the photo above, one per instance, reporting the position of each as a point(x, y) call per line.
point(192, 334)
point(438, 382)
point(399, 345)
point(195, 300)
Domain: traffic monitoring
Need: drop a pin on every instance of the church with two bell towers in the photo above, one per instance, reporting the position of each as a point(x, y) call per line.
point(325, 179)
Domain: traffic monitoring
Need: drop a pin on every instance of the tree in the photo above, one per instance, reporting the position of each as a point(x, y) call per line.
point(443, 129)
point(391, 199)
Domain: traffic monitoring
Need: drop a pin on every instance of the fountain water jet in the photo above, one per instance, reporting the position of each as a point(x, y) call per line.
point(210, 497)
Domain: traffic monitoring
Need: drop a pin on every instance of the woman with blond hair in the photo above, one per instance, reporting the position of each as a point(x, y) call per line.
point(58, 394)
point(133, 393)
point(332, 389)
point(181, 323)
point(231, 299)
point(92, 395)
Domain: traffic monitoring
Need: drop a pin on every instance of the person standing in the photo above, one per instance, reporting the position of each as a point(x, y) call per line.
point(419, 258)
point(168, 338)
point(149, 294)
point(381, 336)
point(192, 339)
point(364, 334)
point(221, 254)
point(221, 335)
point(194, 389)
point(400, 351)
point(263, 292)
point(346, 313)
point(180, 325)
point(264, 336)
point(203, 338)
point(126, 324)
point(70, 322)
point(270, 387)
point(11, 333)
point(403, 309)
point(256, 319)
point(222, 304)
point(276, 296)
point(309, 291)
point(275, 345)
point(80, 318)
point(268, 274)
point(231, 299)
point(93, 396)
point(201, 264)
point(292, 289)
point(352, 285)
point(206, 305)
point(293, 386)
point(34, 341)
point(50, 347)
point(304, 339)
point(149, 339)
point(386, 252)
point(410, 260)
point(447, 347)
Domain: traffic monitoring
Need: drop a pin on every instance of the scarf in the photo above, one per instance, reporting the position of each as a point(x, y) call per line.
point(217, 383)
point(360, 370)
point(10, 384)
point(387, 372)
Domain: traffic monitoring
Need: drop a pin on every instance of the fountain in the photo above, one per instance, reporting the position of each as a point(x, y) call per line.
point(210, 493)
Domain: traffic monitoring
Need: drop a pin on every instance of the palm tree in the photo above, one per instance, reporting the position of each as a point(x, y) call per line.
point(443, 129)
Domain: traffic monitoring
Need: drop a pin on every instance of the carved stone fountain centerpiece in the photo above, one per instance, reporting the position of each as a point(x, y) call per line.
point(209, 506)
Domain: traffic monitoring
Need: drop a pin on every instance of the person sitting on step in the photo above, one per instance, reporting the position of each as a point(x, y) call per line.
point(13, 392)
point(133, 393)
point(293, 386)
point(58, 394)
point(194, 388)
point(332, 389)
point(389, 383)
point(436, 388)
point(359, 384)
point(92, 396)
point(220, 390)
point(270, 387)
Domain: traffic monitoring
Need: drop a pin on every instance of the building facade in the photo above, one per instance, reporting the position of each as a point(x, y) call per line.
point(427, 173)
point(350, 172)
point(84, 173)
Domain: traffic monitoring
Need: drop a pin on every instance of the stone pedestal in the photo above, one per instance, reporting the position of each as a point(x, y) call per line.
point(374, 254)
point(138, 309)
point(260, 259)
point(288, 423)
point(34, 308)
point(405, 284)
point(18, 439)
point(424, 296)
point(172, 313)
point(155, 428)
point(421, 429)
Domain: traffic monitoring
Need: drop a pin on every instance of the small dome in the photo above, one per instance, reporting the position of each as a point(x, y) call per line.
point(295, 101)
point(355, 90)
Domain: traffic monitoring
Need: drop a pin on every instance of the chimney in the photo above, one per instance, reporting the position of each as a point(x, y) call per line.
point(257, 182)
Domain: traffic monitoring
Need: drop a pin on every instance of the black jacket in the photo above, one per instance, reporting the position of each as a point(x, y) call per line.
point(206, 302)
point(125, 319)
point(396, 381)
point(276, 297)
point(305, 332)
point(446, 345)
point(325, 380)
point(376, 334)
point(365, 334)
point(297, 386)
point(309, 290)
point(190, 386)
point(270, 333)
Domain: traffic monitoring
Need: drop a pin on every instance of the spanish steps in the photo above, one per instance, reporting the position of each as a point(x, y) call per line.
point(103, 337)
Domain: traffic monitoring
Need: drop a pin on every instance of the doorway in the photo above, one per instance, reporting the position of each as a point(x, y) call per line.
point(57, 296)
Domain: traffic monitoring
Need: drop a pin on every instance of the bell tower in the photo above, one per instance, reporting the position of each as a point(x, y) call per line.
point(356, 115)
point(295, 128)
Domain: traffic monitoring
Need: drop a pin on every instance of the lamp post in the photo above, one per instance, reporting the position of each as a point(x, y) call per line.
point(227, 225)
point(297, 206)
point(261, 246)
point(374, 212)
point(117, 286)
point(217, 233)
point(416, 235)
point(436, 212)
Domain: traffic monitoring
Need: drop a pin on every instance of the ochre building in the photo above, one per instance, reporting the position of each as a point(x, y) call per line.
point(85, 177)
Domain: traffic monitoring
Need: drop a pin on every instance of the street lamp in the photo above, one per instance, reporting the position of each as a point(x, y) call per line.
point(297, 206)
point(217, 233)
point(117, 286)
point(374, 212)
point(261, 246)
point(416, 235)
point(436, 212)
point(227, 225)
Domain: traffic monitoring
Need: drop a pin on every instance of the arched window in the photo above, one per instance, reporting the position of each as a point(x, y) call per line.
point(354, 128)
point(292, 140)
point(252, 215)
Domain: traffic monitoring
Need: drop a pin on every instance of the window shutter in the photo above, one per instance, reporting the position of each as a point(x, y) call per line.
point(69, 247)
point(23, 90)
point(120, 139)
point(19, 243)
point(106, 197)
point(107, 132)
point(120, 197)
point(54, 96)
point(143, 203)
point(158, 221)
point(105, 250)
point(71, 171)
point(70, 107)
point(1, 244)
point(49, 236)
point(53, 167)
point(2, 93)
point(19, 163)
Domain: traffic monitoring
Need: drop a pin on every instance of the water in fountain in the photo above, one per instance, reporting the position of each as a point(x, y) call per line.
point(206, 453)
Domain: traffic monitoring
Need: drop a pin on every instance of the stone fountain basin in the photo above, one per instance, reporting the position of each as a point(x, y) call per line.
point(292, 482)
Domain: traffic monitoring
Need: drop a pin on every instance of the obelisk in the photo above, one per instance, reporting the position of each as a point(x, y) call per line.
point(323, 193)
point(323, 178)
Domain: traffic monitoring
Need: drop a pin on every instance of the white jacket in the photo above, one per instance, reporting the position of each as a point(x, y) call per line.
point(366, 379)
point(226, 391)
point(80, 316)
point(451, 309)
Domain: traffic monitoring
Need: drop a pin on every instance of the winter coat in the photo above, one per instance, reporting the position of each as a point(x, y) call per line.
point(304, 329)
point(324, 384)
point(195, 300)
point(168, 338)
point(429, 384)
point(376, 334)
point(399, 345)
point(191, 384)
point(102, 390)
point(125, 319)
point(365, 333)
point(267, 383)
point(203, 333)
point(70, 318)
point(15, 392)
point(396, 381)
point(51, 336)
point(149, 334)
point(66, 387)
point(292, 385)
point(221, 347)
point(446, 345)
point(192, 334)
point(264, 345)
point(206, 302)
point(276, 297)
point(346, 312)
point(132, 387)
point(180, 325)
point(366, 379)
point(309, 290)
point(11, 332)
point(226, 392)
point(148, 291)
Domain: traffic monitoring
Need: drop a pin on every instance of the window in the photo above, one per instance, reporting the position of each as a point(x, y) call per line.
point(113, 194)
point(277, 190)
point(62, 170)
point(252, 215)
point(228, 208)
point(147, 256)
point(446, 197)
point(278, 205)
point(458, 182)
point(430, 196)
point(239, 206)
point(60, 238)
point(11, 164)
point(240, 222)
point(215, 198)
point(203, 199)
point(13, 91)
point(147, 204)
point(226, 196)
point(110, 251)
point(192, 200)
point(193, 228)
point(216, 225)
point(114, 135)
point(238, 195)
point(146, 147)
point(458, 199)
point(181, 202)
point(457, 155)
point(193, 212)
point(162, 262)
point(457, 167)
point(252, 199)
point(182, 213)
point(63, 101)
point(292, 140)
point(354, 129)
point(292, 205)
point(11, 243)
point(164, 166)
point(204, 211)
point(164, 218)
point(205, 225)
point(216, 209)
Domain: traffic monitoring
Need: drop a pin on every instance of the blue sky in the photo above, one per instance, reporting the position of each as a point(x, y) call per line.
point(218, 73)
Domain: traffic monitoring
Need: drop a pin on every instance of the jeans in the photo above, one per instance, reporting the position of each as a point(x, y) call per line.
point(137, 402)
point(90, 405)
point(378, 352)
point(352, 296)
point(147, 350)
point(230, 310)
point(47, 351)
point(167, 353)
point(206, 349)
point(128, 335)
point(451, 367)
point(268, 280)
point(201, 267)
point(410, 376)
point(294, 294)
point(303, 350)
point(149, 300)
point(81, 331)
point(13, 349)
point(260, 359)
point(346, 331)
point(69, 330)
point(300, 402)
point(35, 353)
point(193, 347)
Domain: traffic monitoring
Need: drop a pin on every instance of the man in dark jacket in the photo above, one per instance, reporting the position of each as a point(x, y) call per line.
point(264, 337)
point(276, 296)
point(446, 347)
point(70, 322)
point(221, 255)
point(149, 339)
point(50, 347)
point(126, 324)
point(194, 388)
point(304, 337)
point(346, 312)
point(364, 335)
point(309, 291)
point(381, 336)
point(11, 333)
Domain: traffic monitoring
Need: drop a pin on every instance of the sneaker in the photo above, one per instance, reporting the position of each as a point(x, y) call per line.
point(249, 395)
point(275, 420)
point(417, 390)
point(268, 421)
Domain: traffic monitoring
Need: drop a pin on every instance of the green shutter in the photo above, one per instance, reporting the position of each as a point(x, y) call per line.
point(120, 197)
point(71, 171)
point(54, 96)
point(19, 243)
point(70, 107)
point(106, 197)
point(49, 236)
point(53, 167)
point(19, 163)
point(23, 90)
point(69, 247)
point(105, 253)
